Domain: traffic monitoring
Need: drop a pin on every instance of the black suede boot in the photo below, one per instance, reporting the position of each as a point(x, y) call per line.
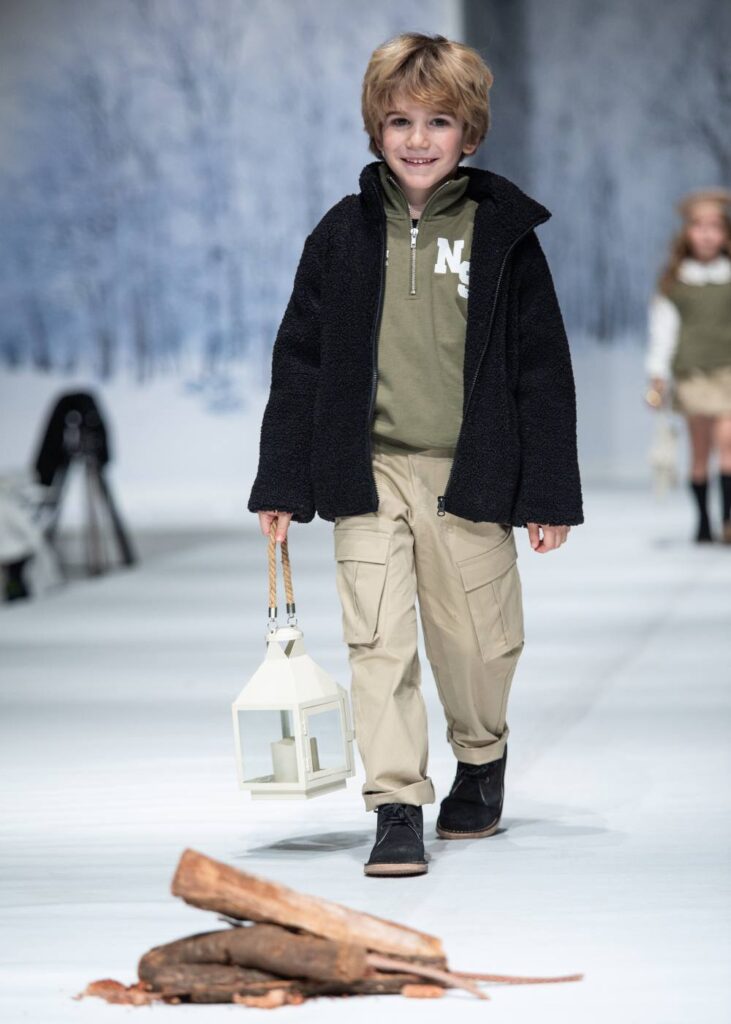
point(399, 846)
point(700, 492)
point(475, 802)
point(725, 481)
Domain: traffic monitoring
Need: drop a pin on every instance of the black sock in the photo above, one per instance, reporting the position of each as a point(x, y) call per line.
point(700, 490)
point(726, 495)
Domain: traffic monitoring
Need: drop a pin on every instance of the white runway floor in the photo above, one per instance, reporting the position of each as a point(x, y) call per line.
point(613, 858)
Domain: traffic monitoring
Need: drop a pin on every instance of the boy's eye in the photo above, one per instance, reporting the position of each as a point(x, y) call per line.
point(404, 120)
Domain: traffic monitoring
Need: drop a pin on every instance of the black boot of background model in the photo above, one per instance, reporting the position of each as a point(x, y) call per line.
point(700, 493)
point(725, 482)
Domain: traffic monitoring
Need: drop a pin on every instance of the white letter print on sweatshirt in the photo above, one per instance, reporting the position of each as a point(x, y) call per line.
point(452, 260)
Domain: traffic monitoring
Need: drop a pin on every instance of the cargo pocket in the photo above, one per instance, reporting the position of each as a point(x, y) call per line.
point(494, 596)
point(361, 557)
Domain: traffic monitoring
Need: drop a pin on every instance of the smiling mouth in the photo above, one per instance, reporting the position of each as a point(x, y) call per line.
point(419, 162)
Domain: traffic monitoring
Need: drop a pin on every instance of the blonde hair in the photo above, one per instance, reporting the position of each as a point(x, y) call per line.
point(679, 245)
point(433, 71)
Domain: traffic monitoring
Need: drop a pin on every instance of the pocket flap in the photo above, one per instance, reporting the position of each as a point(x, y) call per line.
point(488, 565)
point(361, 545)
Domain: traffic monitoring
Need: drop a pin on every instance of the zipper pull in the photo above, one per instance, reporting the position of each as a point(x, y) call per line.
point(440, 505)
point(414, 233)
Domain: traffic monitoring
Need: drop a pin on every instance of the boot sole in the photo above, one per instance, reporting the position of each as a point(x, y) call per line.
point(395, 869)
point(447, 834)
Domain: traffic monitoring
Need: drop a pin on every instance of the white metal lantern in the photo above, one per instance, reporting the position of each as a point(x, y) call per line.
point(292, 721)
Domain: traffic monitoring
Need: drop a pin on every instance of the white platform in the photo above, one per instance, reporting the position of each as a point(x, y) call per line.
point(613, 860)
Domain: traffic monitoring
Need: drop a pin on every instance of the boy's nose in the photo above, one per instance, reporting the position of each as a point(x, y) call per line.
point(418, 137)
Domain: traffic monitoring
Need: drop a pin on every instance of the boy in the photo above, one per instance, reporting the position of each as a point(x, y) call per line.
point(422, 400)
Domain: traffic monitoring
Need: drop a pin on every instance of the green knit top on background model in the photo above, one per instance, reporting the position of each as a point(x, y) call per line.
point(690, 327)
point(704, 338)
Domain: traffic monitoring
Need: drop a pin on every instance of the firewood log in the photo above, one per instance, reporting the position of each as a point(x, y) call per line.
point(204, 882)
point(268, 947)
point(216, 983)
point(286, 954)
point(212, 983)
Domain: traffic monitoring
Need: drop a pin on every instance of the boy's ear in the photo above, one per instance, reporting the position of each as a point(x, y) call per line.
point(469, 148)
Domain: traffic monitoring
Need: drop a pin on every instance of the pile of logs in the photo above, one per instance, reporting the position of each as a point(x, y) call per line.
point(283, 947)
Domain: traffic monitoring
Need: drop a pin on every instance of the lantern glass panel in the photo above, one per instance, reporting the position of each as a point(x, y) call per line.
point(325, 737)
point(268, 751)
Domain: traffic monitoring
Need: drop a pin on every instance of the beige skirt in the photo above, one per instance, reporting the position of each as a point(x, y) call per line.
point(703, 393)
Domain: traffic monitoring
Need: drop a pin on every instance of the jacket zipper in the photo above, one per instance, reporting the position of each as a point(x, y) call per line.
point(374, 357)
point(441, 498)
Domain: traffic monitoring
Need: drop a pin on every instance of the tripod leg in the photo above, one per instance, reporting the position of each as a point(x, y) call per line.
point(93, 535)
point(125, 547)
point(51, 511)
point(54, 503)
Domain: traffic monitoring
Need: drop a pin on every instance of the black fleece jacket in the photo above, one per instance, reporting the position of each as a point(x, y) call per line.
point(516, 456)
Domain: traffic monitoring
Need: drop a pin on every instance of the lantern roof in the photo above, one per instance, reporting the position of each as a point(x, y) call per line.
point(288, 676)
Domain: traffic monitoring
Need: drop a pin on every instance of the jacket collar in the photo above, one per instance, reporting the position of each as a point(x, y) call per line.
point(444, 200)
point(507, 207)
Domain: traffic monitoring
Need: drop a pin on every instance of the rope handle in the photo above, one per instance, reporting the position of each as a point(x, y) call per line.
point(286, 573)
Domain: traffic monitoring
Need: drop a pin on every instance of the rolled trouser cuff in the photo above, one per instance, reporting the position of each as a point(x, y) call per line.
point(416, 793)
point(482, 754)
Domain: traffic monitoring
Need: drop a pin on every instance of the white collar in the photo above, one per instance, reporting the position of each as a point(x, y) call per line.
point(716, 271)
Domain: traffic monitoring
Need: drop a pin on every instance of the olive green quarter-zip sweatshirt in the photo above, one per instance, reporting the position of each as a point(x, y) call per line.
point(421, 338)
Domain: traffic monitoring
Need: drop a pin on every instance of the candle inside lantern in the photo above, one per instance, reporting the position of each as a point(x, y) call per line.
point(314, 756)
point(284, 759)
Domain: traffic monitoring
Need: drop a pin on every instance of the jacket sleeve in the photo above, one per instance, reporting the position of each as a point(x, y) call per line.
point(283, 479)
point(549, 487)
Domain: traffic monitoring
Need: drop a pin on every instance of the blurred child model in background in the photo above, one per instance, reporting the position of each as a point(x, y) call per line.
point(688, 356)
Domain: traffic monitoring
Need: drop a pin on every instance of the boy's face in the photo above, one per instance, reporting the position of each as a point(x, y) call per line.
point(422, 146)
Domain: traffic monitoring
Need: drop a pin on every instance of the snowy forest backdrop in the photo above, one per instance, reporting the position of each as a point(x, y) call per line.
point(163, 160)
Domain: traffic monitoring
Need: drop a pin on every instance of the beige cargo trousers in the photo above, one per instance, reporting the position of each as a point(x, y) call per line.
point(466, 578)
